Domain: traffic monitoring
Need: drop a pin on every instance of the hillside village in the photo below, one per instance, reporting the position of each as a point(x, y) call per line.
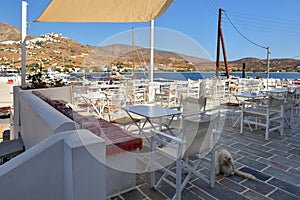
point(55, 51)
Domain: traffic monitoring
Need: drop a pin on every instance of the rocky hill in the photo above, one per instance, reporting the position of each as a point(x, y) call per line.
point(53, 50)
point(9, 32)
point(255, 64)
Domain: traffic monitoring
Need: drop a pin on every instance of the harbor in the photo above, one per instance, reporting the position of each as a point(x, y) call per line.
point(145, 100)
point(274, 162)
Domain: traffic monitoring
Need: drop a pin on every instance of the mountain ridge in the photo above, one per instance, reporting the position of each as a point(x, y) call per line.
point(54, 49)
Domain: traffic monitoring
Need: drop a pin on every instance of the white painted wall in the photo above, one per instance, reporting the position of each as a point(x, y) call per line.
point(120, 173)
point(16, 118)
point(60, 167)
point(63, 93)
point(85, 172)
point(59, 93)
point(39, 120)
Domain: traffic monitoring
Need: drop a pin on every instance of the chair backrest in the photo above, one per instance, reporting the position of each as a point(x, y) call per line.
point(290, 99)
point(275, 102)
point(199, 133)
point(173, 93)
point(173, 86)
point(192, 105)
point(193, 87)
point(129, 91)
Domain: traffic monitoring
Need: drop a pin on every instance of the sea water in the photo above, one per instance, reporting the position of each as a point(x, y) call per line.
point(184, 76)
point(202, 75)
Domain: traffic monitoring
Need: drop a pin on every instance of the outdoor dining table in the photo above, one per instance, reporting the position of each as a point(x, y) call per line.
point(293, 87)
point(276, 92)
point(150, 112)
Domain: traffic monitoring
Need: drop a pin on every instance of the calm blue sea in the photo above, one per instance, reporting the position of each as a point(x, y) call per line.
point(202, 75)
point(198, 75)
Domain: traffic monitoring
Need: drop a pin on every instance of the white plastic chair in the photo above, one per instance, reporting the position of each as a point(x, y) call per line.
point(290, 108)
point(198, 137)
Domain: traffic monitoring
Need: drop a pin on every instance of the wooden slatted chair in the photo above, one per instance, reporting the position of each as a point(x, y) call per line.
point(269, 115)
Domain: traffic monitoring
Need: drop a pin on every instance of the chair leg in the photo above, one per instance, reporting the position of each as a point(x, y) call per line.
point(282, 120)
point(189, 170)
point(178, 179)
point(267, 129)
point(256, 121)
point(152, 168)
point(286, 118)
point(292, 117)
point(213, 167)
point(242, 119)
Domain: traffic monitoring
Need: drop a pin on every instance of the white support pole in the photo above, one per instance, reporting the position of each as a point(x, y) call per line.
point(151, 51)
point(268, 66)
point(24, 33)
point(151, 87)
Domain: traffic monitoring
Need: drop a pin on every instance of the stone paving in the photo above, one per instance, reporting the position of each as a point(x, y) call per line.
point(276, 164)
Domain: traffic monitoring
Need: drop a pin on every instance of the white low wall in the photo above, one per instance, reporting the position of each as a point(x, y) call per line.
point(61, 93)
point(36, 121)
point(16, 118)
point(60, 167)
point(118, 173)
point(39, 120)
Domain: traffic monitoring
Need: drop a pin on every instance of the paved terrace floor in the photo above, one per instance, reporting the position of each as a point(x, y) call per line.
point(276, 163)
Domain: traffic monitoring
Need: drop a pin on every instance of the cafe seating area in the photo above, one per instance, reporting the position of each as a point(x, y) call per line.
point(267, 111)
point(135, 131)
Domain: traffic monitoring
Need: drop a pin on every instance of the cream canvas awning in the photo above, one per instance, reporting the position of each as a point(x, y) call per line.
point(103, 10)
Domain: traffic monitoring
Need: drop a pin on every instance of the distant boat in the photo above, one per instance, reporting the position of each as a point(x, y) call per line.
point(73, 80)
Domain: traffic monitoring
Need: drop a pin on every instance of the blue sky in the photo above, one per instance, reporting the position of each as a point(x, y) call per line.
point(268, 23)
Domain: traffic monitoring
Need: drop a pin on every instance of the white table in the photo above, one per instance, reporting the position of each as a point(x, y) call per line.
point(275, 92)
point(150, 112)
point(250, 95)
point(293, 87)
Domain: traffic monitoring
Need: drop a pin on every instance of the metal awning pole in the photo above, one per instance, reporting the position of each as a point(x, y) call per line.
point(24, 33)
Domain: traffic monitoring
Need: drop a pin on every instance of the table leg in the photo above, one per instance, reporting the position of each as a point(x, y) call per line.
point(242, 117)
point(168, 126)
point(238, 119)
